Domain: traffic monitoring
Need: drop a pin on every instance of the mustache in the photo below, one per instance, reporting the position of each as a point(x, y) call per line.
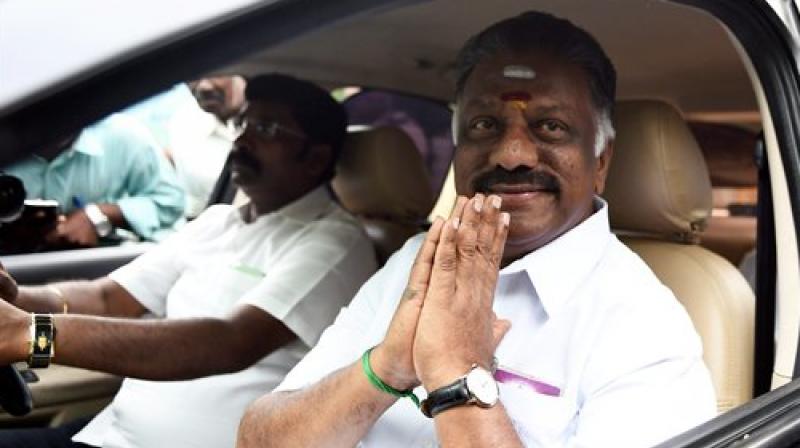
point(538, 180)
point(209, 95)
point(244, 158)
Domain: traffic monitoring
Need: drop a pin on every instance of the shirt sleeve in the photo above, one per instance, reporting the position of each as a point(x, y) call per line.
point(320, 273)
point(153, 198)
point(150, 277)
point(360, 325)
point(156, 112)
point(651, 382)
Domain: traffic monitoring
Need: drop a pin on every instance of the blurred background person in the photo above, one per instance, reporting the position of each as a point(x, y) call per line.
point(193, 126)
point(109, 176)
point(157, 112)
point(202, 134)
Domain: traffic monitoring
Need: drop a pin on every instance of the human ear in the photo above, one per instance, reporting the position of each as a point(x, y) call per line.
point(318, 159)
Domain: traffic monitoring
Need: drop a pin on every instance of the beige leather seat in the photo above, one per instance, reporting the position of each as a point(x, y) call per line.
point(660, 198)
point(382, 179)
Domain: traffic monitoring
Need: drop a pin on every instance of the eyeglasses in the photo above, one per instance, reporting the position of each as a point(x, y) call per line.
point(267, 130)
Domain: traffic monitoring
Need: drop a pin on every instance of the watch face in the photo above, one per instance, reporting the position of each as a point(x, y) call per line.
point(482, 386)
point(100, 221)
point(104, 229)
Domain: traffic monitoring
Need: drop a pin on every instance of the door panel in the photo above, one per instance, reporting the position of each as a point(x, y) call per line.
point(65, 393)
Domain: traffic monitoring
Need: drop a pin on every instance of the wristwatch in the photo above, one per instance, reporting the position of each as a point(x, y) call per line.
point(477, 387)
point(43, 336)
point(102, 225)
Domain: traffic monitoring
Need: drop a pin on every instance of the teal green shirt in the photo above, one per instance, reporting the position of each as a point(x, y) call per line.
point(114, 161)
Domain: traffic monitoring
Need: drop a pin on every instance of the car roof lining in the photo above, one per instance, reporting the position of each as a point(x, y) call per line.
point(664, 51)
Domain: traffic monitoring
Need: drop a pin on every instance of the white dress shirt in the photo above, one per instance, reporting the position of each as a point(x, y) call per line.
point(199, 144)
point(300, 264)
point(602, 352)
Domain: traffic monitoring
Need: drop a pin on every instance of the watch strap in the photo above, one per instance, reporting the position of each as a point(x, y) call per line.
point(102, 225)
point(446, 397)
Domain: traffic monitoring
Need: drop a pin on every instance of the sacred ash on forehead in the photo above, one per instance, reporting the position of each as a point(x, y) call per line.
point(517, 98)
point(518, 72)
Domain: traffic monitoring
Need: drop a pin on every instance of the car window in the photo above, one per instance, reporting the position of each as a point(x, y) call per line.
point(729, 152)
point(156, 161)
point(696, 75)
point(425, 121)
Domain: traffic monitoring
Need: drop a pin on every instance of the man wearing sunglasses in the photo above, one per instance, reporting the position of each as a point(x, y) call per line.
point(240, 293)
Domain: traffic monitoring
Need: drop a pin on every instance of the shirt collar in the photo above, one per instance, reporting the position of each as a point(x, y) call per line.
point(213, 126)
point(305, 209)
point(206, 124)
point(310, 206)
point(225, 129)
point(87, 144)
point(558, 268)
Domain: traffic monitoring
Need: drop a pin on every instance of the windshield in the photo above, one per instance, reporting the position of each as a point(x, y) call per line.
point(39, 51)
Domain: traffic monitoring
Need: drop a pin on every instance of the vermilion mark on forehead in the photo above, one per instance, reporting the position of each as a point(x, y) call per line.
point(515, 96)
point(518, 99)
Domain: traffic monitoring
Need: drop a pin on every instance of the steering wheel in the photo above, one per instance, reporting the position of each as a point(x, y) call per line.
point(15, 397)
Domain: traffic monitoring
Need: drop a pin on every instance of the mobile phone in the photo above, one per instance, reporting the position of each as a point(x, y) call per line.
point(27, 233)
point(40, 213)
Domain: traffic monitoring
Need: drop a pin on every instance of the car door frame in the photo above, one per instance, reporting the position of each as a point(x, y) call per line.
point(772, 419)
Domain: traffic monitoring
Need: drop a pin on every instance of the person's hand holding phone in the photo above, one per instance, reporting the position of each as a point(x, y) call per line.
point(74, 229)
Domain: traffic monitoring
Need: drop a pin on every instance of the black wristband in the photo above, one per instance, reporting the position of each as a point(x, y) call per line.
point(446, 397)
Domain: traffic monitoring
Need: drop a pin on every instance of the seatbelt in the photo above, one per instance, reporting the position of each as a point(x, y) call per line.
point(224, 189)
point(765, 312)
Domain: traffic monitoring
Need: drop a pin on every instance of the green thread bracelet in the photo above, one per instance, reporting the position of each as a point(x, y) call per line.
point(380, 385)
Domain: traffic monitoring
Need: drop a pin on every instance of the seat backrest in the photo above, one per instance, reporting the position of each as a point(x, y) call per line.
point(381, 179)
point(659, 196)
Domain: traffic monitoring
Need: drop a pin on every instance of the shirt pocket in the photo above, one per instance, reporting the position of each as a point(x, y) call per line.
point(540, 420)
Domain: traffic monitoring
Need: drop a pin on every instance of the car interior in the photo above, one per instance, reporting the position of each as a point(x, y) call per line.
point(683, 188)
point(378, 179)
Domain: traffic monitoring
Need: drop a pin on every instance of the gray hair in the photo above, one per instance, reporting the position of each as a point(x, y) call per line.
point(605, 132)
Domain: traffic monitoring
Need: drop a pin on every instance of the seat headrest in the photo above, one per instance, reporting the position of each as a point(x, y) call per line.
point(658, 183)
point(380, 174)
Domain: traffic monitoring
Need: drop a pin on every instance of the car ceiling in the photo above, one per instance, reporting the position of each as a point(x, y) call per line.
point(660, 50)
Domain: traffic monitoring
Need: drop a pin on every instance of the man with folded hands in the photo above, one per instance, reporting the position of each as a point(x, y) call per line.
point(521, 320)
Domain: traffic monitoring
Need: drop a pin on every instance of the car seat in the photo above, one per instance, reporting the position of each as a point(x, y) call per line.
point(659, 195)
point(381, 179)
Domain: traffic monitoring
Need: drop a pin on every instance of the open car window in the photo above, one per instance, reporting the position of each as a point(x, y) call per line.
point(156, 160)
point(729, 72)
